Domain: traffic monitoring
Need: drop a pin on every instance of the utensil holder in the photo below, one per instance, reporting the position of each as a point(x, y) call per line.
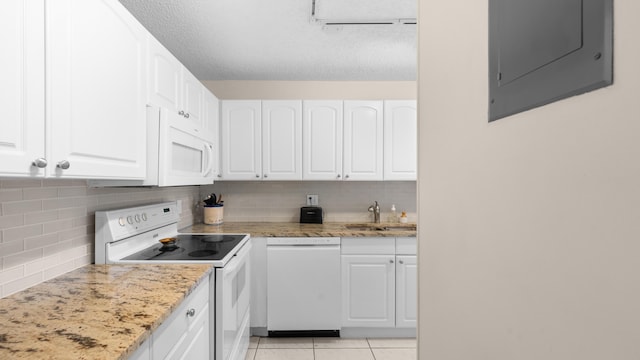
point(214, 214)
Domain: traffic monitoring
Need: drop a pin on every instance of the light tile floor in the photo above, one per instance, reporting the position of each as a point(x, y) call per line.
point(265, 348)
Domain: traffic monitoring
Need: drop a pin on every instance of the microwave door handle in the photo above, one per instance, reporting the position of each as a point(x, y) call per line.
point(209, 150)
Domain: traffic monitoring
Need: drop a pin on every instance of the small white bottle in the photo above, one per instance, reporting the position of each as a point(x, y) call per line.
point(393, 216)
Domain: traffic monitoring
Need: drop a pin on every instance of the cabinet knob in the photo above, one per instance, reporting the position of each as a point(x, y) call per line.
point(338, 176)
point(265, 176)
point(346, 176)
point(186, 115)
point(64, 165)
point(219, 175)
point(390, 261)
point(181, 112)
point(257, 176)
point(191, 312)
point(401, 262)
point(39, 162)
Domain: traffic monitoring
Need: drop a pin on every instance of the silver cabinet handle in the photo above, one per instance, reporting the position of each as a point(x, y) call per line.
point(186, 115)
point(64, 165)
point(39, 162)
point(181, 112)
point(191, 312)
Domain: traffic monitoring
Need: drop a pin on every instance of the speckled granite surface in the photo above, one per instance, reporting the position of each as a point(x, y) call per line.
point(268, 229)
point(95, 312)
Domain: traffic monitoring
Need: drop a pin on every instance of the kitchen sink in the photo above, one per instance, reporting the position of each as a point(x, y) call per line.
point(380, 227)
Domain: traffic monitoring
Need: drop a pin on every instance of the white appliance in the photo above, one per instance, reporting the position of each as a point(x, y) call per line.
point(175, 154)
point(304, 286)
point(132, 236)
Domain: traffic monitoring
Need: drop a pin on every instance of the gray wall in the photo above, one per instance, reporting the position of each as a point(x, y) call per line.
point(528, 226)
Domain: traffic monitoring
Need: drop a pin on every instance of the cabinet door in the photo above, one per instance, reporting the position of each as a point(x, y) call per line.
point(22, 87)
point(322, 140)
point(282, 140)
point(368, 290)
point(193, 101)
point(196, 347)
point(96, 90)
point(212, 128)
point(165, 77)
point(259, 283)
point(241, 140)
point(363, 126)
point(400, 140)
point(406, 291)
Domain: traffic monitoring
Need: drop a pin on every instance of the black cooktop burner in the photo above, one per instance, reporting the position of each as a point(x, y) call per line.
point(191, 247)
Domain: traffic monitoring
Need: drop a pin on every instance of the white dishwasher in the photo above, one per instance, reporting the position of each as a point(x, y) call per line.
point(303, 286)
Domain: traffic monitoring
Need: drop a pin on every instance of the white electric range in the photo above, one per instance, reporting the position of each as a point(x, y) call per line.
point(133, 235)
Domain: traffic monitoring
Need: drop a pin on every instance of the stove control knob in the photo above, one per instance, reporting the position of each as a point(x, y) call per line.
point(144, 216)
point(130, 219)
point(137, 217)
point(121, 221)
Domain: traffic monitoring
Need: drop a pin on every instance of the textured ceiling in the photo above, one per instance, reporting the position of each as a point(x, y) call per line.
point(279, 39)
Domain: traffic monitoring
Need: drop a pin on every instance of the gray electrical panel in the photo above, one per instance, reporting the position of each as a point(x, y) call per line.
point(541, 51)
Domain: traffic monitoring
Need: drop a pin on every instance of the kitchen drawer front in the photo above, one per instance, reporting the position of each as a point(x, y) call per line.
point(368, 246)
point(406, 246)
point(175, 330)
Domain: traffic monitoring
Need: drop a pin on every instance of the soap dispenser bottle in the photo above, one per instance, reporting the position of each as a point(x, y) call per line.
point(393, 216)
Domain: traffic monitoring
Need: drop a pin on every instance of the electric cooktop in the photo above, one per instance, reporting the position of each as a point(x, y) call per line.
point(190, 247)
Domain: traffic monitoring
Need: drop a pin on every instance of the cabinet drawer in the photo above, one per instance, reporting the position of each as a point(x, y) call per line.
point(406, 246)
point(175, 330)
point(368, 246)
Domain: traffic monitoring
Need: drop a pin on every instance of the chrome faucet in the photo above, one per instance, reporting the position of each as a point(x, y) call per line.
point(375, 209)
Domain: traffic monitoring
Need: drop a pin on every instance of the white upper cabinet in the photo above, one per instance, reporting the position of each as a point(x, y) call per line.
point(282, 140)
point(165, 77)
point(400, 140)
point(241, 140)
point(193, 100)
point(86, 61)
point(172, 86)
point(322, 124)
point(363, 140)
point(212, 128)
point(22, 89)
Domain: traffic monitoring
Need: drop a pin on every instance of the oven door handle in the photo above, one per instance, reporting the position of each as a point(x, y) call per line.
point(238, 259)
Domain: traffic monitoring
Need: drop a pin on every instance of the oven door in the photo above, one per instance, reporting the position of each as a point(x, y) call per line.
point(232, 307)
point(184, 158)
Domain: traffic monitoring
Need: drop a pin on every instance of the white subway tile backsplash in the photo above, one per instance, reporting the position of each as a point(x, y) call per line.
point(21, 207)
point(10, 195)
point(47, 226)
point(21, 232)
point(22, 257)
point(39, 193)
point(11, 221)
point(40, 217)
point(21, 283)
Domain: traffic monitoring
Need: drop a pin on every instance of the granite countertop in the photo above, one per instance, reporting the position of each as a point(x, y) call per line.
point(95, 312)
point(276, 229)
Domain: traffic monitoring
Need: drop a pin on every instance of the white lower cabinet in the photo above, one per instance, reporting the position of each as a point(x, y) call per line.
point(185, 334)
point(368, 290)
point(379, 288)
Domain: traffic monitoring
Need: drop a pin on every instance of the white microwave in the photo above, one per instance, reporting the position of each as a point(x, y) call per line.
point(174, 155)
